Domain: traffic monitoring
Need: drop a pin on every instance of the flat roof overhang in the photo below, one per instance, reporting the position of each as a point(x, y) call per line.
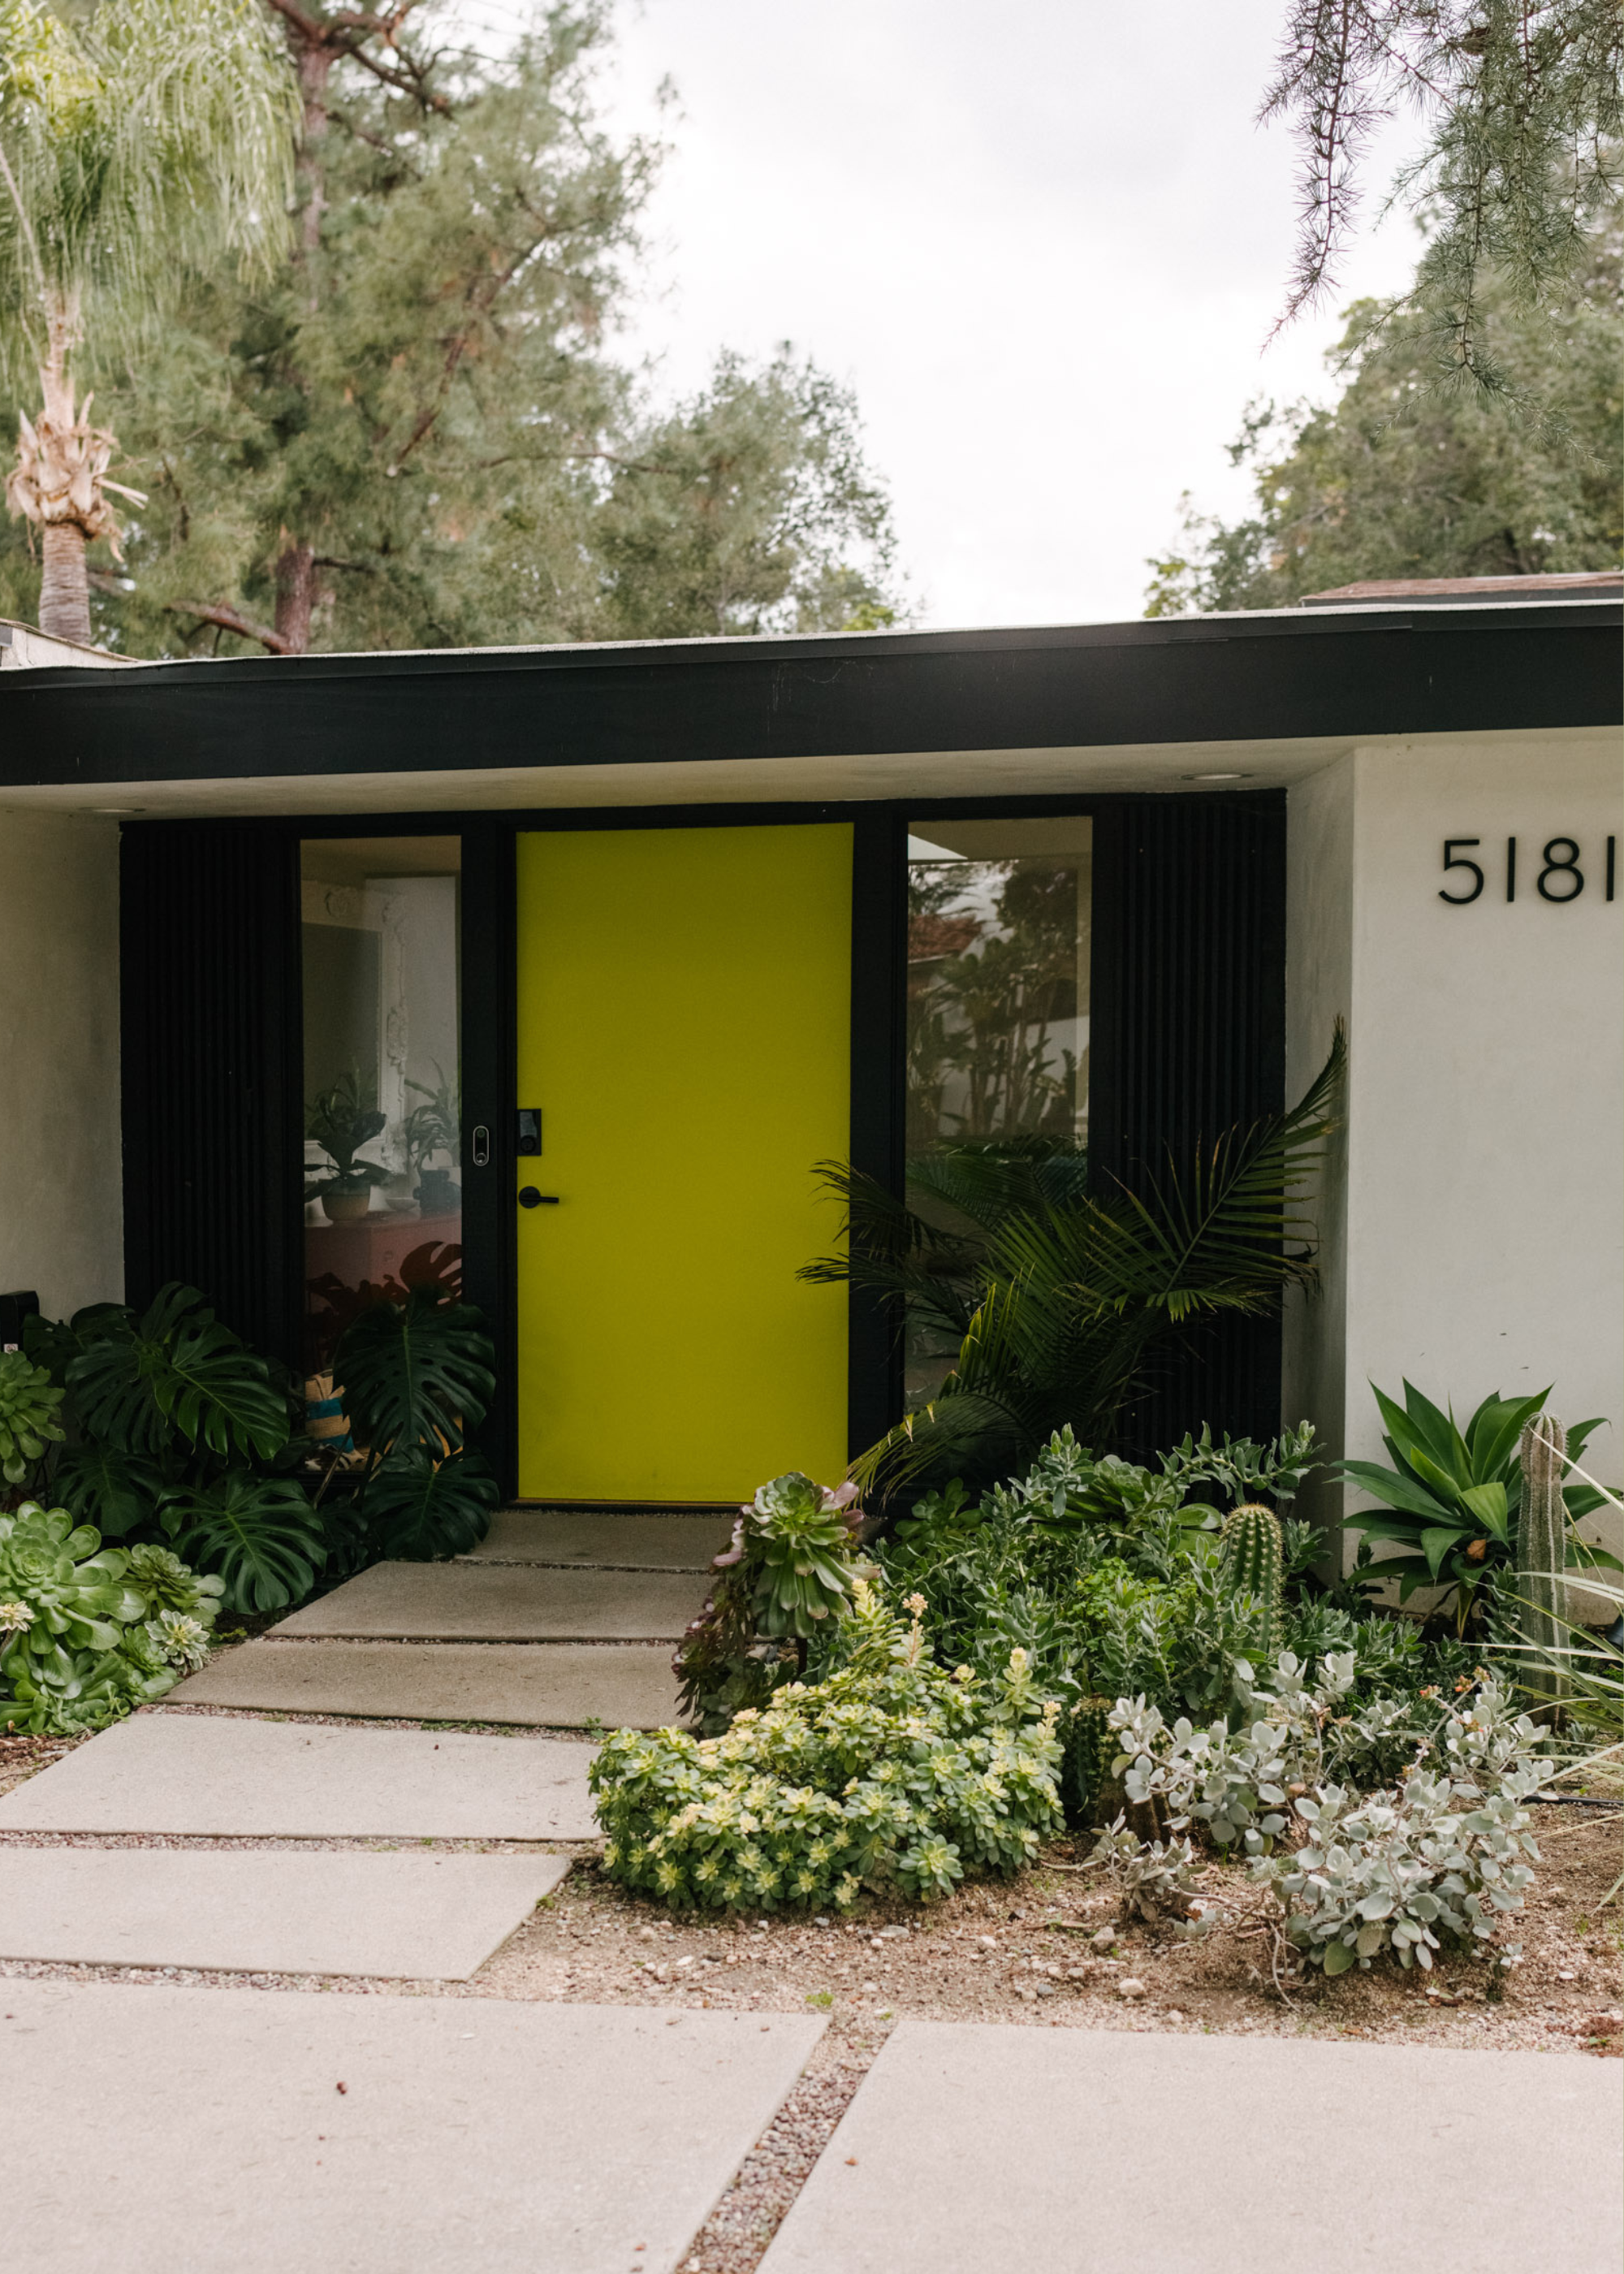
point(1064, 711)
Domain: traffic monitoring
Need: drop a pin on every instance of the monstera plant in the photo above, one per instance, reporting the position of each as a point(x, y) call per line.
point(180, 1435)
point(414, 1377)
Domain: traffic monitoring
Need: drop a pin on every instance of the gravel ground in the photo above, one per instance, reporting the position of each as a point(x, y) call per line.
point(1050, 1950)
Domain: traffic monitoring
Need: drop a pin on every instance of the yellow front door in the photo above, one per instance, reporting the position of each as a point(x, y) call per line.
point(684, 1030)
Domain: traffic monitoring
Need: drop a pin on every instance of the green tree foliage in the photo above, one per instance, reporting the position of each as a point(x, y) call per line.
point(1520, 102)
point(146, 135)
point(1414, 472)
point(417, 432)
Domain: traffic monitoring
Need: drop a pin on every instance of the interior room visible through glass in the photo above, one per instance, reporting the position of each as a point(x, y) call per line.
point(383, 1158)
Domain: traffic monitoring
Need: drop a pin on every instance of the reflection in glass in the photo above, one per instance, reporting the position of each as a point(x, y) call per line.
point(998, 1005)
point(383, 1203)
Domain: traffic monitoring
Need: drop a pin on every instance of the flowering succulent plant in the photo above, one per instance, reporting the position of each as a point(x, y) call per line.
point(890, 1773)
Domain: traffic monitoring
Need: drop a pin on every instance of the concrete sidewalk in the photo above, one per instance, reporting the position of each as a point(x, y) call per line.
point(971, 2147)
point(256, 2131)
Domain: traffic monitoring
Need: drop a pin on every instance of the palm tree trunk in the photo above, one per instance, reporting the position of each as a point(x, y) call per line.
point(65, 591)
point(60, 481)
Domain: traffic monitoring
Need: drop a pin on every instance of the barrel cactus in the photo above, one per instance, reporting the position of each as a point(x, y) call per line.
point(1251, 1556)
point(1542, 1554)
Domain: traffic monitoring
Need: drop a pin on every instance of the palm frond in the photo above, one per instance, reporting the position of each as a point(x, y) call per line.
point(1073, 1292)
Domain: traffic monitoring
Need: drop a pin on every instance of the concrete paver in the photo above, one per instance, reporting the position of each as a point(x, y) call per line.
point(614, 1539)
point(213, 1775)
point(976, 2146)
point(268, 1911)
point(551, 1685)
point(475, 1602)
point(208, 2129)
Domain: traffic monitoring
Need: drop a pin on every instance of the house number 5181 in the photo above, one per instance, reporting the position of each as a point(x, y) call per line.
point(1560, 879)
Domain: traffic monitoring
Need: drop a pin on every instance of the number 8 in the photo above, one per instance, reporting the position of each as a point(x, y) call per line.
point(1570, 867)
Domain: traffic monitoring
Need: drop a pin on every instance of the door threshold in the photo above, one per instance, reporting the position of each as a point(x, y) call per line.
point(631, 1507)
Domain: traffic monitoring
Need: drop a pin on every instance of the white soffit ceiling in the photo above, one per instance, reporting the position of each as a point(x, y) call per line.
point(942, 775)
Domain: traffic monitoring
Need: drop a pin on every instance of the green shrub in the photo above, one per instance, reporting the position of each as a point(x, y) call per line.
point(890, 1773)
point(88, 1632)
point(1116, 1586)
point(1444, 1851)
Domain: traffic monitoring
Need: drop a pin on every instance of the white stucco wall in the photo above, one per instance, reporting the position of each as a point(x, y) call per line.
point(61, 1203)
point(1475, 1227)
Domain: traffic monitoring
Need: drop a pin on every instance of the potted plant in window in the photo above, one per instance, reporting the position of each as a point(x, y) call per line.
point(340, 1120)
point(434, 1126)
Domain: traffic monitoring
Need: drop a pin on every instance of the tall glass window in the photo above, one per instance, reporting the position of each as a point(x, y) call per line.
point(383, 1199)
point(997, 1007)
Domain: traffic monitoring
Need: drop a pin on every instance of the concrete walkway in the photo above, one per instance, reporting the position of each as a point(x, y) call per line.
point(218, 1776)
point(973, 2147)
point(561, 1619)
point(346, 1911)
point(247, 2132)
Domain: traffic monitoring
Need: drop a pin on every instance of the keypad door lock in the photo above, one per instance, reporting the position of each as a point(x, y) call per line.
point(530, 1129)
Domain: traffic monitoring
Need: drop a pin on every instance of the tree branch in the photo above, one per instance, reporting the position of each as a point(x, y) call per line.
point(230, 620)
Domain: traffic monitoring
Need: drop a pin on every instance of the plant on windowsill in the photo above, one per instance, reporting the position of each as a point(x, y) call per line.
point(434, 1126)
point(341, 1119)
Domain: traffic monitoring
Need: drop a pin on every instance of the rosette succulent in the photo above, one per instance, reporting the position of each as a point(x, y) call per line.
point(28, 1422)
point(87, 1632)
point(801, 1534)
point(789, 1568)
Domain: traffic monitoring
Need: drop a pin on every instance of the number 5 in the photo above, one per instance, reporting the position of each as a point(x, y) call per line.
point(1451, 861)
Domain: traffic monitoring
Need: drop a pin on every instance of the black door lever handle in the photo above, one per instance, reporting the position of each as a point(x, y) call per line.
point(528, 1197)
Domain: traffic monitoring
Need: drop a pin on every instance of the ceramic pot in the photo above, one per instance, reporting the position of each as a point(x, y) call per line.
point(346, 1208)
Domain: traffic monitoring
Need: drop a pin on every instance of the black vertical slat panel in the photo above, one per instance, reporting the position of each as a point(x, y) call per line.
point(209, 945)
point(879, 1014)
point(1188, 1041)
point(489, 979)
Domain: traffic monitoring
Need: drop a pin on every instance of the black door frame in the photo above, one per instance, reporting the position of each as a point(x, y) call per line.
point(1187, 1036)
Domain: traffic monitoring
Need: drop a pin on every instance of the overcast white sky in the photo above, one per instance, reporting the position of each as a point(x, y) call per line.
point(1044, 242)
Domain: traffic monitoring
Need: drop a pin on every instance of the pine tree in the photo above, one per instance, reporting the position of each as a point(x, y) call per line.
point(153, 132)
point(1521, 103)
point(1413, 471)
point(418, 435)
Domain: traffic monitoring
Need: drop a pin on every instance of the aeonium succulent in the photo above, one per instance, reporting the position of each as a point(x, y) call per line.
point(798, 1535)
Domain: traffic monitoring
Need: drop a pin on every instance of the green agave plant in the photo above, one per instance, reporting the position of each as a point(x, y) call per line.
point(1450, 1500)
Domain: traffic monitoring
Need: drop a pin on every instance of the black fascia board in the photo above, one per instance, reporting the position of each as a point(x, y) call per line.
point(1259, 678)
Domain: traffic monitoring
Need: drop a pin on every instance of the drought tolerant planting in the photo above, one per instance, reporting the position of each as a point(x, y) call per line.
point(1246, 1740)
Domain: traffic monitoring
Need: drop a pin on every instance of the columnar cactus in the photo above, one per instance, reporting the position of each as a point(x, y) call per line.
point(1542, 1554)
point(1251, 1558)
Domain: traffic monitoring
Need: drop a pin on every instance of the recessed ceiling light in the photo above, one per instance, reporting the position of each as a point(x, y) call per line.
point(1229, 776)
point(119, 810)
